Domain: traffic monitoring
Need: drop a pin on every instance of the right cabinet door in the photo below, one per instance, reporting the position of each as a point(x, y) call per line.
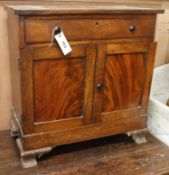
point(123, 80)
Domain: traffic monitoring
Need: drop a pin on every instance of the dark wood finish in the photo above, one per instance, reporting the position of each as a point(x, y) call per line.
point(110, 155)
point(99, 89)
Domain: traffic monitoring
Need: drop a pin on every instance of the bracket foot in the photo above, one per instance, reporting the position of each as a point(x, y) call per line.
point(14, 132)
point(138, 136)
point(28, 157)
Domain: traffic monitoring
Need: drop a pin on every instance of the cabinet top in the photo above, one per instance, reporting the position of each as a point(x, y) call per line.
point(81, 8)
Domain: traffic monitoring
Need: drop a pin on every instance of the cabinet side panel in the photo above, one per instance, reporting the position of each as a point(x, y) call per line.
point(13, 27)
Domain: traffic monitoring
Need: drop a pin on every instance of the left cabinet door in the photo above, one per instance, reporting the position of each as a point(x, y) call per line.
point(57, 90)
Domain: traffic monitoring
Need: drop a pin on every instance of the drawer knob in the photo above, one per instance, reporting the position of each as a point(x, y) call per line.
point(132, 28)
point(99, 86)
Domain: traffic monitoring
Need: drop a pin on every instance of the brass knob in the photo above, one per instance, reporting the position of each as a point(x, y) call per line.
point(132, 28)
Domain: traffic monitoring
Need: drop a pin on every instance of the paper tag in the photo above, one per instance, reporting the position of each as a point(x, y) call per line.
point(63, 43)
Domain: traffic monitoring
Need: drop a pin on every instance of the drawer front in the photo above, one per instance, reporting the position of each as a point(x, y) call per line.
point(40, 31)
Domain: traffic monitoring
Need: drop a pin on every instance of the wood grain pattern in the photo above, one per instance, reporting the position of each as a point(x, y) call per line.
point(77, 29)
point(58, 89)
point(59, 74)
point(54, 56)
point(121, 69)
point(124, 78)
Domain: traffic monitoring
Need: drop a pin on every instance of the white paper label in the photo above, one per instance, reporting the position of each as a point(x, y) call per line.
point(63, 43)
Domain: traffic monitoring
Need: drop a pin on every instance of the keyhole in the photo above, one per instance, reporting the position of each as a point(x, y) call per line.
point(97, 23)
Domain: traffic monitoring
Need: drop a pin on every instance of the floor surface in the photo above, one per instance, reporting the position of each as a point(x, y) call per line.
point(116, 155)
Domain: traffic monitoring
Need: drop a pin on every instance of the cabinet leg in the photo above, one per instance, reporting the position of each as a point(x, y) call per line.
point(138, 136)
point(14, 131)
point(28, 157)
point(29, 161)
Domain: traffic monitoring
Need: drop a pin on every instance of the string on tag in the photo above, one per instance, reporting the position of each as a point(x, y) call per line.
point(52, 37)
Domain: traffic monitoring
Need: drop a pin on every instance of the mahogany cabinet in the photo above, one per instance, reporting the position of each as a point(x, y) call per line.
point(99, 89)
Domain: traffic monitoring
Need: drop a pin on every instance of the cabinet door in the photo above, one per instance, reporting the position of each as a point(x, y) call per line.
point(123, 79)
point(56, 89)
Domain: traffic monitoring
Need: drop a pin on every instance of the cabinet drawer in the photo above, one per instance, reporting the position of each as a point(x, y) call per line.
point(37, 31)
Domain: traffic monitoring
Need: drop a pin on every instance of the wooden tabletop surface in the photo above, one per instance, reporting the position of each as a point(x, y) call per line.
point(82, 8)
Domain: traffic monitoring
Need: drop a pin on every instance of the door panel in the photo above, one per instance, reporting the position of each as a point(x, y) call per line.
point(57, 88)
point(121, 80)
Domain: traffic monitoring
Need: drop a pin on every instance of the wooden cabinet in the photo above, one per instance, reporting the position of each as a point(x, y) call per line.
point(101, 88)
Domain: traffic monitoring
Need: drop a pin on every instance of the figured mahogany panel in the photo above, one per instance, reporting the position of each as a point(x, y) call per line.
point(58, 88)
point(124, 78)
